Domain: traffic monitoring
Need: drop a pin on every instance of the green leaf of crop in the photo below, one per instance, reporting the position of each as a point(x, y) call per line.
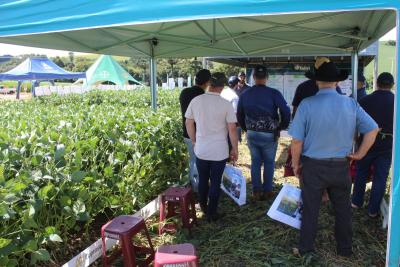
point(45, 192)
point(11, 198)
point(59, 153)
point(55, 238)
point(77, 176)
point(79, 207)
point(50, 230)
point(40, 255)
point(2, 179)
point(4, 242)
point(108, 171)
point(31, 245)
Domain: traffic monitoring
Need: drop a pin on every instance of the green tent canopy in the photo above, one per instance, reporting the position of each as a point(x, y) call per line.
point(107, 69)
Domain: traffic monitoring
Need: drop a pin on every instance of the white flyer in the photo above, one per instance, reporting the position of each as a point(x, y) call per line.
point(287, 206)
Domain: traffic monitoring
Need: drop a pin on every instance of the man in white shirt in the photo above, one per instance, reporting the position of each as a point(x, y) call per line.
point(214, 118)
point(229, 93)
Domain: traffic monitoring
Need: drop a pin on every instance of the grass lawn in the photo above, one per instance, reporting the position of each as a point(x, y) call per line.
point(386, 60)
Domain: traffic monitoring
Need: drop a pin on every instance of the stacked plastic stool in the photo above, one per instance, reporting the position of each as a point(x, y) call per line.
point(124, 228)
point(177, 200)
point(176, 255)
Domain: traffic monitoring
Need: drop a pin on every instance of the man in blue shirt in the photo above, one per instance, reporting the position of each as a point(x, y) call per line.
point(323, 131)
point(380, 106)
point(257, 114)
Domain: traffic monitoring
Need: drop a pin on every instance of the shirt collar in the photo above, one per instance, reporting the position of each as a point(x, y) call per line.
point(327, 91)
point(212, 93)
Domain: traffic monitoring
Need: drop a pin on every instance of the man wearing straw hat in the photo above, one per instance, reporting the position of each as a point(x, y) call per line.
point(323, 130)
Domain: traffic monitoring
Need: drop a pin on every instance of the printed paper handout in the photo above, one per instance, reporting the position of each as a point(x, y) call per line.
point(288, 206)
point(234, 184)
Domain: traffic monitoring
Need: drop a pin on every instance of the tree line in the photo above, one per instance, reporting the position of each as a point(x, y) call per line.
point(137, 67)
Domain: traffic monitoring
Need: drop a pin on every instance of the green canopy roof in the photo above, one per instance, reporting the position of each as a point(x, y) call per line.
point(107, 69)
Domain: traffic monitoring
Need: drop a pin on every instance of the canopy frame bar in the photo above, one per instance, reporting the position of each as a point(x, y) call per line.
point(285, 45)
point(361, 38)
point(116, 38)
point(233, 39)
point(299, 43)
point(203, 30)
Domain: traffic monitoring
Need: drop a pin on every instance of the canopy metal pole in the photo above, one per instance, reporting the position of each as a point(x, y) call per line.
point(354, 72)
point(19, 88)
point(375, 77)
point(153, 78)
point(393, 240)
point(33, 88)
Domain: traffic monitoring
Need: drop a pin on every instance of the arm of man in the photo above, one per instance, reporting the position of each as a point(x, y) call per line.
point(296, 149)
point(231, 122)
point(369, 128)
point(367, 142)
point(298, 132)
point(191, 129)
point(234, 141)
point(240, 114)
point(190, 123)
point(284, 111)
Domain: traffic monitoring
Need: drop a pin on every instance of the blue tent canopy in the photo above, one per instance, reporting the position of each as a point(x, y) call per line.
point(39, 69)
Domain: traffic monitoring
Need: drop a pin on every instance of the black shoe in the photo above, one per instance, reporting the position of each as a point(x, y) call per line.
point(345, 252)
point(214, 217)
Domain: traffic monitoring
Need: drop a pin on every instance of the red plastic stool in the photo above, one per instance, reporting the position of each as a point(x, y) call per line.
point(176, 255)
point(124, 228)
point(177, 197)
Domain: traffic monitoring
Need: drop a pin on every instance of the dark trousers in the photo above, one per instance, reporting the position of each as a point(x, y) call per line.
point(319, 175)
point(210, 172)
point(381, 162)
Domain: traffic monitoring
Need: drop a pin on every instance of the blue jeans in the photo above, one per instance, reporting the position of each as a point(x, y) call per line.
point(209, 194)
point(193, 175)
point(262, 150)
point(381, 162)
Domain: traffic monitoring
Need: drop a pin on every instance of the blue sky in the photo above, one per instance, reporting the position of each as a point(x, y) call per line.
point(6, 49)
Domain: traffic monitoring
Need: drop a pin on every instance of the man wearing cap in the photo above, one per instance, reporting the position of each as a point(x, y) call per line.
point(229, 94)
point(380, 106)
point(214, 118)
point(202, 81)
point(262, 112)
point(361, 84)
point(323, 131)
point(309, 87)
point(242, 86)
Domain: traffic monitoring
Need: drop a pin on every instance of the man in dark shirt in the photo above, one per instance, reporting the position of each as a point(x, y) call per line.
point(202, 81)
point(361, 84)
point(242, 86)
point(258, 115)
point(309, 87)
point(380, 106)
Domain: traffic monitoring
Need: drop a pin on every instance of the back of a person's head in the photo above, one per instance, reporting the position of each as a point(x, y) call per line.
point(260, 73)
point(385, 80)
point(218, 79)
point(203, 76)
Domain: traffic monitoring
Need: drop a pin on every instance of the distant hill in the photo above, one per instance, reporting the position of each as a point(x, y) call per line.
point(387, 60)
